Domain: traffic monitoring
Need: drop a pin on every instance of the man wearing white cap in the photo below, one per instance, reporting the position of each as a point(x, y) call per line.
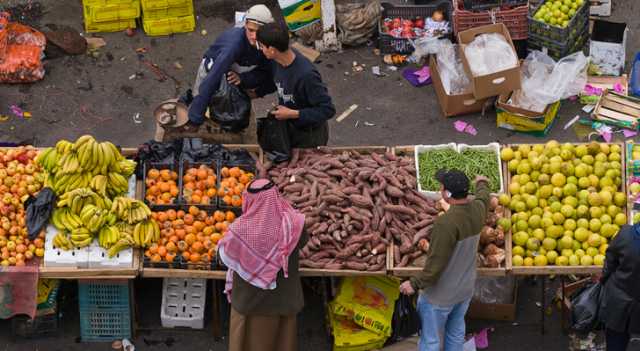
point(233, 56)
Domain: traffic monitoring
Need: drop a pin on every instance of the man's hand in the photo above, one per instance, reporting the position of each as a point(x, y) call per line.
point(283, 112)
point(233, 78)
point(406, 288)
point(481, 178)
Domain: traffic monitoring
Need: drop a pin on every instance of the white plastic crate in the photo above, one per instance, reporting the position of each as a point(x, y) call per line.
point(420, 149)
point(495, 147)
point(98, 257)
point(55, 257)
point(183, 302)
point(132, 187)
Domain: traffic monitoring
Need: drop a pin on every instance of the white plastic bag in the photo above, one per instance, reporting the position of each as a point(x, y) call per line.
point(454, 79)
point(490, 53)
point(545, 81)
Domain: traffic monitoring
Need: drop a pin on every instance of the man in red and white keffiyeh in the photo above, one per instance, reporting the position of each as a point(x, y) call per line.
point(258, 249)
point(258, 244)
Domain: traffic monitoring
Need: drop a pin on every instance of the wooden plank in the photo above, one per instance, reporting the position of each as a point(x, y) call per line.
point(556, 270)
point(181, 273)
point(623, 100)
point(310, 53)
point(482, 272)
point(88, 273)
point(606, 112)
point(312, 272)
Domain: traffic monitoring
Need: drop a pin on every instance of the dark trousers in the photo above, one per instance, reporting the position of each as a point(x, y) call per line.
point(305, 138)
point(617, 341)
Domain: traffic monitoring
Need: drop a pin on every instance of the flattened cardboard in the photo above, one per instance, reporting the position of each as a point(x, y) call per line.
point(453, 105)
point(494, 84)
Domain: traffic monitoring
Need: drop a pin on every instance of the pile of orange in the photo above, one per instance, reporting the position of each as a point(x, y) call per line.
point(194, 235)
point(232, 184)
point(199, 185)
point(20, 176)
point(161, 185)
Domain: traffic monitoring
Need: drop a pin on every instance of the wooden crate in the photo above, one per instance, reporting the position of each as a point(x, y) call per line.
point(410, 271)
point(563, 270)
point(495, 311)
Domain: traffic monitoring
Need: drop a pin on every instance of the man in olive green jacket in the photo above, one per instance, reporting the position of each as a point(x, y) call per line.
point(447, 281)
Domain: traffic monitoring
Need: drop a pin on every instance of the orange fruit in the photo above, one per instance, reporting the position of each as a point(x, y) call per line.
point(236, 201)
point(219, 216)
point(238, 189)
point(190, 239)
point(182, 245)
point(197, 247)
point(208, 230)
point(174, 175)
point(162, 217)
point(211, 192)
point(189, 186)
point(150, 198)
point(153, 173)
point(188, 219)
point(156, 258)
point(195, 257)
point(39, 243)
point(188, 178)
point(244, 179)
point(174, 191)
point(40, 252)
point(224, 171)
point(180, 214)
point(202, 174)
point(210, 182)
point(164, 187)
point(181, 233)
point(166, 197)
point(150, 182)
point(230, 216)
point(186, 255)
point(153, 249)
point(232, 182)
point(205, 257)
point(235, 172)
point(209, 220)
point(227, 199)
point(170, 257)
point(162, 251)
point(205, 200)
point(152, 190)
point(171, 247)
point(165, 174)
point(198, 226)
point(192, 172)
point(215, 237)
point(193, 210)
point(171, 214)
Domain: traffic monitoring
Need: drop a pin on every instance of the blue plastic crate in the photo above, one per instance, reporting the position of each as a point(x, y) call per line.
point(103, 295)
point(105, 325)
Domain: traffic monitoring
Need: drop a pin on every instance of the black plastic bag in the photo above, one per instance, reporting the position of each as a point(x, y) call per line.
point(585, 305)
point(230, 107)
point(273, 137)
point(39, 209)
point(193, 150)
point(405, 322)
point(157, 152)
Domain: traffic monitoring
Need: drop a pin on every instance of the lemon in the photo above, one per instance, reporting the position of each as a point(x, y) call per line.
point(517, 260)
point(540, 260)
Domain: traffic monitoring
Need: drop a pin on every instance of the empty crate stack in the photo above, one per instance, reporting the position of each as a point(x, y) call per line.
point(164, 17)
point(104, 310)
point(110, 15)
point(469, 14)
point(183, 302)
point(559, 41)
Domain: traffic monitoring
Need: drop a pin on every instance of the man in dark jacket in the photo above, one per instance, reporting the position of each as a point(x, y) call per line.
point(620, 300)
point(447, 281)
point(235, 57)
point(303, 99)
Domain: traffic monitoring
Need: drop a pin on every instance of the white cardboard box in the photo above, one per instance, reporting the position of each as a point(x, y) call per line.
point(55, 257)
point(600, 8)
point(98, 258)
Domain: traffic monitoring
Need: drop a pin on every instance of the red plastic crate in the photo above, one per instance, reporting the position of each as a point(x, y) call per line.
point(515, 19)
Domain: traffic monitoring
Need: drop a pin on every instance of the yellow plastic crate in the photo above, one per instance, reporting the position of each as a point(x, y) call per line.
point(112, 12)
point(166, 26)
point(106, 2)
point(117, 26)
point(170, 12)
point(151, 5)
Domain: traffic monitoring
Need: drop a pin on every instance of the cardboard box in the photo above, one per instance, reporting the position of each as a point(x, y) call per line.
point(494, 84)
point(494, 311)
point(525, 121)
point(607, 48)
point(453, 105)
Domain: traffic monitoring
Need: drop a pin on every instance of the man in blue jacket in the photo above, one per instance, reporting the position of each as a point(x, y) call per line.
point(235, 57)
point(303, 99)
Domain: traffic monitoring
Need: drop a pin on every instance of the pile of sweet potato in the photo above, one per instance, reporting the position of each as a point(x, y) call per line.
point(355, 205)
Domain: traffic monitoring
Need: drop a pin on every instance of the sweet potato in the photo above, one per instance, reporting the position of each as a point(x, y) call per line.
point(422, 234)
point(360, 201)
point(355, 265)
point(400, 209)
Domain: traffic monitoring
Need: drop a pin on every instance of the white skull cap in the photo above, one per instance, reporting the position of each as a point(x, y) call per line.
point(259, 14)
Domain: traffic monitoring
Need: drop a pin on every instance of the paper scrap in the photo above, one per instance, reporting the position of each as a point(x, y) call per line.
point(618, 88)
point(606, 136)
point(482, 339)
point(26, 115)
point(3, 118)
point(376, 71)
point(464, 127)
point(588, 108)
point(136, 118)
point(571, 122)
point(628, 133)
point(17, 111)
point(423, 74)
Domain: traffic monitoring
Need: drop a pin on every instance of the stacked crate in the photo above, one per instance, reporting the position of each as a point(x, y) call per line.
point(556, 41)
point(110, 15)
point(164, 17)
point(105, 313)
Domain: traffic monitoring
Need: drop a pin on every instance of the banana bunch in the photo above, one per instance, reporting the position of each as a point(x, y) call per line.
point(124, 167)
point(130, 210)
point(81, 237)
point(122, 244)
point(64, 147)
point(96, 156)
point(64, 219)
point(79, 198)
point(93, 217)
point(145, 233)
point(108, 236)
point(117, 184)
point(61, 241)
point(99, 184)
point(48, 159)
point(62, 183)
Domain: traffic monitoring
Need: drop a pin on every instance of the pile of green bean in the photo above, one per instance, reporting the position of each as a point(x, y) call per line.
point(471, 161)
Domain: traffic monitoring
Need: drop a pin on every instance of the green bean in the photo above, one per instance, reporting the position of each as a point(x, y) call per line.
point(470, 161)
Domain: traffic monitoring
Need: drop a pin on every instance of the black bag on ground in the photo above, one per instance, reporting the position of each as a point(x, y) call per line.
point(39, 209)
point(230, 107)
point(273, 137)
point(584, 308)
point(405, 322)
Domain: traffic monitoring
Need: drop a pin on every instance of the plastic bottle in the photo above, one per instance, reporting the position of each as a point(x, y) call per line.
point(635, 76)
